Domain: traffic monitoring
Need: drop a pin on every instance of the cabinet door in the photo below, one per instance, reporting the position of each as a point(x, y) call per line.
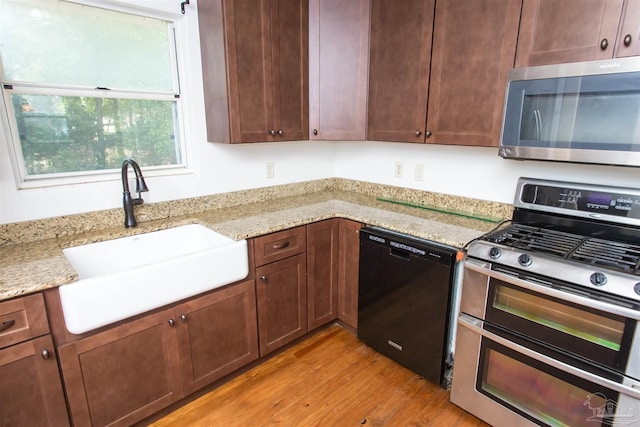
point(349, 255)
point(217, 334)
point(290, 65)
point(399, 69)
point(282, 302)
point(557, 31)
point(250, 76)
point(122, 375)
point(474, 46)
point(322, 272)
point(338, 68)
point(31, 391)
point(628, 43)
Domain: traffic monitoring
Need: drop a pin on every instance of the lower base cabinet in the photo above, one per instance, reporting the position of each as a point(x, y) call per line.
point(122, 375)
point(281, 290)
point(127, 373)
point(322, 272)
point(348, 270)
point(30, 387)
point(218, 334)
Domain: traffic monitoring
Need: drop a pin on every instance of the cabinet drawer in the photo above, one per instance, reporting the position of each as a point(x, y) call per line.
point(22, 319)
point(280, 245)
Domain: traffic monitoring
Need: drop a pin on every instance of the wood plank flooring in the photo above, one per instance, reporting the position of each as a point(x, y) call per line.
point(330, 379)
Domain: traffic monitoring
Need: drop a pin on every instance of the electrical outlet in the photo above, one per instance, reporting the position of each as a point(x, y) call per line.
point(270, 170)
point(398, 171)
point(419, 172)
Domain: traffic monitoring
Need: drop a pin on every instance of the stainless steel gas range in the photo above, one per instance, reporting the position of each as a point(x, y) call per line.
point(550, 303)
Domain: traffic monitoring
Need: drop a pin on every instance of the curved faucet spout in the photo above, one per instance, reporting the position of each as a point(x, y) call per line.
point(141, 186)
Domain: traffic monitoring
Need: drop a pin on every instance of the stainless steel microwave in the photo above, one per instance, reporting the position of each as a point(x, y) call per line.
point(586, 112)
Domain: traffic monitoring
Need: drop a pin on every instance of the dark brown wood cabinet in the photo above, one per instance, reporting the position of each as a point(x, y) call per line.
point(255, 69)
point(559, 31)
point(348, 262)
point(322, 272)
point(400, 56)
point(474, 45)
point(281, 287)
point(450, 91)
point(30, 390)
point(126, 373)
point(217, 334)
point(338, 69)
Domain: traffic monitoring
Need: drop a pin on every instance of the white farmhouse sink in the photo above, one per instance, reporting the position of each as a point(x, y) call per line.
point(123, 277)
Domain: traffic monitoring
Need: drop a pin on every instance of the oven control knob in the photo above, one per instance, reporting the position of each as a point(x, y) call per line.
point(525, 260)
point(598, 279)
point(636, 288)
point(495, 253)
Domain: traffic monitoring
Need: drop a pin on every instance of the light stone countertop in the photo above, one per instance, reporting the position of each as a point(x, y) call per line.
point(35, 266)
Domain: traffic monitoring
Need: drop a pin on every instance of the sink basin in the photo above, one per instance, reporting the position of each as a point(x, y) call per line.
point(123, 277)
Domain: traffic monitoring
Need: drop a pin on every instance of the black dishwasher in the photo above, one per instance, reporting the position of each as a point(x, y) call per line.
point(404, 299)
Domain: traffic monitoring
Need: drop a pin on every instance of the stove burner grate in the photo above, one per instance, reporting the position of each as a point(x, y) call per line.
point(621, 256)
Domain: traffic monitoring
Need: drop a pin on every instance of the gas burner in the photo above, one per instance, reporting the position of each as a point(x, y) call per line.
point(620, 256)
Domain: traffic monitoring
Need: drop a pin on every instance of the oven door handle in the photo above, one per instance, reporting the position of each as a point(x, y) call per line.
point(565, 295)
point(476, 325)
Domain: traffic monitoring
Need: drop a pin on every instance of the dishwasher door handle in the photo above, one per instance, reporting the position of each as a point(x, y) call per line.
point(400, 254)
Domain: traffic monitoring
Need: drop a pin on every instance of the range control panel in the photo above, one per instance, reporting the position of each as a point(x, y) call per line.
point(594, 201)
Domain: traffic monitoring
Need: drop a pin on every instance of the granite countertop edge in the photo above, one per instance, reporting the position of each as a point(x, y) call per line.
point(36, 266)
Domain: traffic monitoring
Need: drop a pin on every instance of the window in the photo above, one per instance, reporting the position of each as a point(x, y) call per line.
point(86, 87)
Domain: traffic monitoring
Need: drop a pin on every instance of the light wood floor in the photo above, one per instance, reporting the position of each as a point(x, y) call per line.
point(330, 379)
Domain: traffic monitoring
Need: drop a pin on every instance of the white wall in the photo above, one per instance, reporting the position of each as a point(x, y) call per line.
point(475, 172)
point(218, 168)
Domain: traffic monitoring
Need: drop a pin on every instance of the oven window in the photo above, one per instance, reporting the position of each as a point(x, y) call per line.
point(541, 393)
point(604, 331)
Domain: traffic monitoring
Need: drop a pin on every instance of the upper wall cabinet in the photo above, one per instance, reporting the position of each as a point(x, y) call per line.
point(461, 80)
point(338, 69)
point(399, 69)
point(255, 69)
point(559, 31)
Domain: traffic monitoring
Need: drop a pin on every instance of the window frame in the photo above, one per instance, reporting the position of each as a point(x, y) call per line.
point(175, 25)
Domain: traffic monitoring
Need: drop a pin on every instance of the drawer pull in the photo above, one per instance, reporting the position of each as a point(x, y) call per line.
point(45, 354)
point(281, 245)
point(7, 324)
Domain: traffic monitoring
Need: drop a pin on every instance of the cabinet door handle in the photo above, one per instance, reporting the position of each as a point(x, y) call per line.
point(7, 324)
point(272, 132)
point(171, 322)
point(280, 132)
point(263, 278)
point(45, 354)
point(604, 44)
point(627, 40)
point(418, 133)
point(183, 318)
point(281, 245)
point(315, 131)
point(428, 134)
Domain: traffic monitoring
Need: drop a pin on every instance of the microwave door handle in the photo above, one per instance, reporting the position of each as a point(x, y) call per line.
point(538, 118)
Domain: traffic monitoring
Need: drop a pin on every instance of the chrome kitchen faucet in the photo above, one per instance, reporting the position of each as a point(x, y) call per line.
point(127, 202)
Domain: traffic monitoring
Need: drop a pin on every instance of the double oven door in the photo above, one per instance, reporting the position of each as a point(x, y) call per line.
point(532, 351)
